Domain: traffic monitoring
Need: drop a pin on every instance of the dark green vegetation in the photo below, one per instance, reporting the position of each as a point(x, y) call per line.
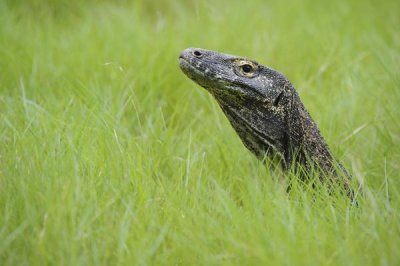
point(109, 155)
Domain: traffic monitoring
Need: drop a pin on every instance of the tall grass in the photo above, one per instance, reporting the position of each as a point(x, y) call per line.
point(109, 155)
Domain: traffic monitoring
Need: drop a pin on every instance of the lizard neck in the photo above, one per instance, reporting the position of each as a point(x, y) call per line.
point(306, 145)
point(308, 148)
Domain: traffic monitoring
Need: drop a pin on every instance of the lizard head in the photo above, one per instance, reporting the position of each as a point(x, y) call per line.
point(226, 75)
point(255, 98)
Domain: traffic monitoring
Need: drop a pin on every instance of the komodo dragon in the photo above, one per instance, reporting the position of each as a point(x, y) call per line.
point(266, 112)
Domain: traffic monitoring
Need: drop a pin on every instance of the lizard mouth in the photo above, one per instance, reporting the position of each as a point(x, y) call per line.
point(189, 69)
point(183, 62)
point(194, 70)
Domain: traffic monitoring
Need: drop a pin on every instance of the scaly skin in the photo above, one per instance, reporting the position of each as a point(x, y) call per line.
point(265, 110)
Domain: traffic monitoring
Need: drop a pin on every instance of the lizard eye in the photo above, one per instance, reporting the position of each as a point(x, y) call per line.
point(246, 69)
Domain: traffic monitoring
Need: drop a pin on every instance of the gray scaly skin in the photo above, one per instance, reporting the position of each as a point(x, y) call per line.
point(265, 110)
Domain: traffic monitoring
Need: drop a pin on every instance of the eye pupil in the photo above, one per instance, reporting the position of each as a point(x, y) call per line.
point(247, 68)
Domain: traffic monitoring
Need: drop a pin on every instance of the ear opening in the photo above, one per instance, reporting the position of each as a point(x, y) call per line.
point(277, 99)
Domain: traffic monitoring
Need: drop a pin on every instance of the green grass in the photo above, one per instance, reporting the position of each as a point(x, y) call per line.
point(109, 155)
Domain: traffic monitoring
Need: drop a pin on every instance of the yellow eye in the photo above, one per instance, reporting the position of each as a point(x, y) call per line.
point(246, 68)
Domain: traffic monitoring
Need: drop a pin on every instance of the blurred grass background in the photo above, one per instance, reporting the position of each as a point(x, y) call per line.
point(110, 155)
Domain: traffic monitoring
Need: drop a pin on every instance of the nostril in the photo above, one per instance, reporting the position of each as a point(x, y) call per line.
point(197, 53)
